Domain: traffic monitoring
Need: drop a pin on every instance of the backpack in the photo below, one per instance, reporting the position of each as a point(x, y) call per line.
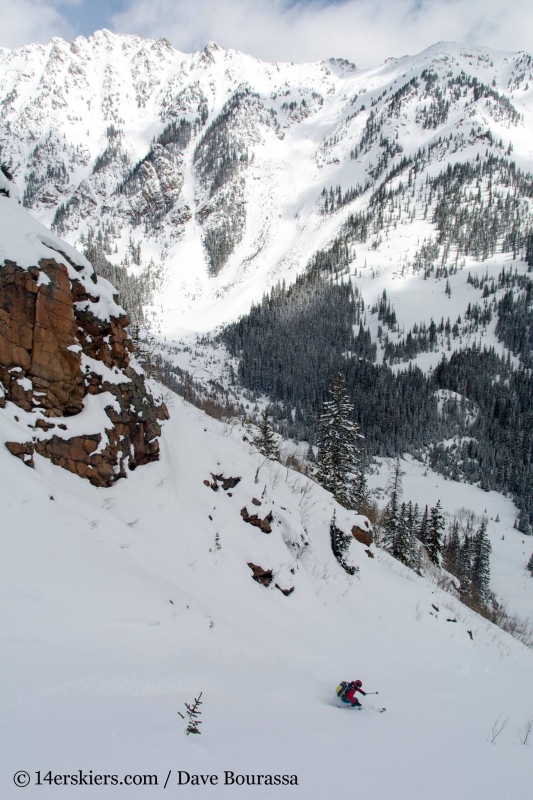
point(342, 688)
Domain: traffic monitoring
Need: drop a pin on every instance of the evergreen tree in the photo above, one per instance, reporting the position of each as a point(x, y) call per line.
point(434, 536)
point(391, 523)
point(339, 453)
point(412, 548)
point(465, 568)
point(265, 439)
point(400, 543)
point(423, 528)
point(340, 543)
point(481, 550)
point(452, 549)
point(193, 712)
point(400, 527)
point(523, 522)
point(394, 484)
point(416, 518)
point(361, 493)
point(530, 564)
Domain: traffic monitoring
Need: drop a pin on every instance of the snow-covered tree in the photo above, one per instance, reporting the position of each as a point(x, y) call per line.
point(391, 522)
point(394, 484)
point(523, 524)
point(481, 550)
point(339, 454)
point(265, 439)
point(464, 572)
point(340, 543)
point(452, 549)
point(423, 528)
point(530, 564)
point(361, 492)
point(405, 547)
point(436, 526)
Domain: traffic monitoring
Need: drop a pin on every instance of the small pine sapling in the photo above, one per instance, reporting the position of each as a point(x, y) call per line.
point(193, 712)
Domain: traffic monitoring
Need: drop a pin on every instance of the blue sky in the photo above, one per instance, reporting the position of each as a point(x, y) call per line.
point(365, 31)
point(86, 17)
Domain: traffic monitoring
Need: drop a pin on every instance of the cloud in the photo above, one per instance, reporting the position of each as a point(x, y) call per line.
point(26, 21)
point(365, 31)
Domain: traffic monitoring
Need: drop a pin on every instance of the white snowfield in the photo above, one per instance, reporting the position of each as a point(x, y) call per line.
point(119, 608)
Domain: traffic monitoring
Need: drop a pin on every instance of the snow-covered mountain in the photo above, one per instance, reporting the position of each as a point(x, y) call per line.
point(210, 568)
point(205, 173)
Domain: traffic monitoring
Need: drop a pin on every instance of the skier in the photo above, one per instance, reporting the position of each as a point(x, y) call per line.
point(347, 691)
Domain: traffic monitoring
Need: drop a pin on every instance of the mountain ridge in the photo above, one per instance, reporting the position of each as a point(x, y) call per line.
point(209, 168)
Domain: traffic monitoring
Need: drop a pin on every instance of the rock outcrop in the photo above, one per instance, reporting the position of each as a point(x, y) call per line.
point(262, 576)
point(66, 361)
point(363, 535)
point(253, 519)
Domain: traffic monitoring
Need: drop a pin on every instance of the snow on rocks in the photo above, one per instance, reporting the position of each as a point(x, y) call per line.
point(65, 355)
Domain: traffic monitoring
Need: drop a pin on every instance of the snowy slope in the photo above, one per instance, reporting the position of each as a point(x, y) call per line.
point(210, 365)
point(121, 609)
point(510, 580)
point(229, 204)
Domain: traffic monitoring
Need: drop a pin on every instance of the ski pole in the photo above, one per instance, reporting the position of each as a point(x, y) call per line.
point(372, 692)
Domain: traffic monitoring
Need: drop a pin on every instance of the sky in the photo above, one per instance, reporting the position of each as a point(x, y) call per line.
point(364, 31)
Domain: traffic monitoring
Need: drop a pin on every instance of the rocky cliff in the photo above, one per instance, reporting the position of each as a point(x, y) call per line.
point(68, 379)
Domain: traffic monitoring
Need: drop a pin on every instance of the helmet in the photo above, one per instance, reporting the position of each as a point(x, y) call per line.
point(358, 682)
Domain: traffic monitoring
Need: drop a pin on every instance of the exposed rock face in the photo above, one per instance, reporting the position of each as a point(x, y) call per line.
point(57, 350)
point(253, 519)
point(37, 326)
point(227, 483)
point(363, 536)
point(262, 576)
